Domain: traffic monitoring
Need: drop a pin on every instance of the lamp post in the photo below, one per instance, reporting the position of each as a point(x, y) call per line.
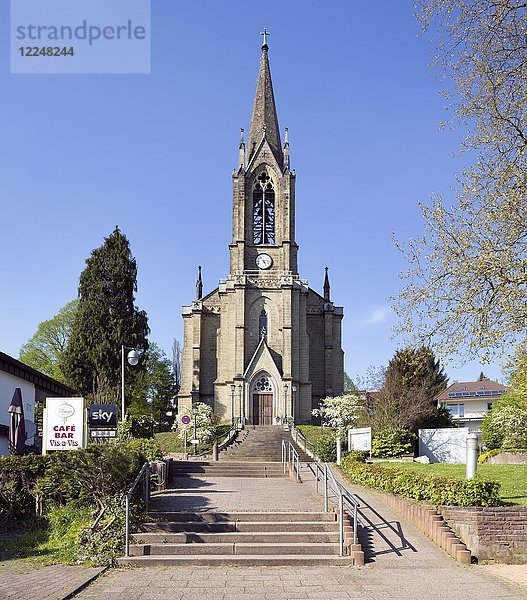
point(233, 387)
point(286, 389)
point(133, 359)
point(195, 440)
point(242, 409)
point(294, 403)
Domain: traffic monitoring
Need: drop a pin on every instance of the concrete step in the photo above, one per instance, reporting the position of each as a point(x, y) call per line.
point(234, 560)
point(242, 549)
point(241, 526)
point(221, 517)
point(280, 537)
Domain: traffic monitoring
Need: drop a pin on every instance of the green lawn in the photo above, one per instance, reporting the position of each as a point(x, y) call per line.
point(513, 478)
point(313, 432)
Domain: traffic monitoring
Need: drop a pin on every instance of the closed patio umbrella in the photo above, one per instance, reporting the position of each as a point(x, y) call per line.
point(17, 428)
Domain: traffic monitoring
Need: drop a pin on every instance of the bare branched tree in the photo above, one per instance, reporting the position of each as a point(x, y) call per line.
point(466, 287)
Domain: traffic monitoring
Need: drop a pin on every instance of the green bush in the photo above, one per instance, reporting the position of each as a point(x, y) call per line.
point(149, 449)
point(19, 476)
point(505, 427)
point(391, 443)
point(445, 491)
point(326, 447)
point(357, 455)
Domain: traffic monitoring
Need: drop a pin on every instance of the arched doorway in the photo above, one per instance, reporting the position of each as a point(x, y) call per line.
point(262, 400)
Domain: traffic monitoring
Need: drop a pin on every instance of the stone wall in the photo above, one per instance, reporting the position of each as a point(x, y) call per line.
point(496, 534)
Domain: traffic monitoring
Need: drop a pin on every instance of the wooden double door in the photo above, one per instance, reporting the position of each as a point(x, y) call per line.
point(262, 409)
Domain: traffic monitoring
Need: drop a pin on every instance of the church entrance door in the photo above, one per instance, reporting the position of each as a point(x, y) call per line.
point(262, 409)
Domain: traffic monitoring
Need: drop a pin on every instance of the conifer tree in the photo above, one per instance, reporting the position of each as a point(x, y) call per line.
point(106, 319)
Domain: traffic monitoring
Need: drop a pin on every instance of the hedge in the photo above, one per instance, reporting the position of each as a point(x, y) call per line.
point(445, 491)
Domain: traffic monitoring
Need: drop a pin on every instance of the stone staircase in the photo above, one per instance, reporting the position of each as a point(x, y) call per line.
point(266, 537)
point(262, 538)
point(184, 468)
point(260, 443)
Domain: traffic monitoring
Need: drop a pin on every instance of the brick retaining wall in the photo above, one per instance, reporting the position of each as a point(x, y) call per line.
point(496, 534)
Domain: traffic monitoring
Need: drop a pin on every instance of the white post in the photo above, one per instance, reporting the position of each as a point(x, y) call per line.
point(122, 383)
point(339, 449)
point(472, 454)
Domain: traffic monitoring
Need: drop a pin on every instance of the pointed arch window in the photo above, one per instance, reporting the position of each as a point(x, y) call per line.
point(263, 210)
point(262, 324)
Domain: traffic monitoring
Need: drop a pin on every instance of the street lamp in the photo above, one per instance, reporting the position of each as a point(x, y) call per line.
point(286, 389)
point(233, 387)
point(294, 403)
point(133, 358)
point(241, 412)
point(195, 440)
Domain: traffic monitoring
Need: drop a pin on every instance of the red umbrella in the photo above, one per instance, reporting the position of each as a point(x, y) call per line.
point(17, 428)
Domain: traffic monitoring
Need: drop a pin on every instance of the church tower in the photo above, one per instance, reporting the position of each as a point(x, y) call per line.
point(263, 347)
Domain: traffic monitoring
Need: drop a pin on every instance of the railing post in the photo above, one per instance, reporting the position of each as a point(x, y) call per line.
point(127, 526)
point(147, 487)
point(316, 474)
point(355, 536)
point(297, 467)
point(325, 488)
point(341, 518)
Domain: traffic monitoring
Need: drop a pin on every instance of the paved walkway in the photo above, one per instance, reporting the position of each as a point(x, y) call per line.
point(402, 563)
point(21, 580)
point(238, 494)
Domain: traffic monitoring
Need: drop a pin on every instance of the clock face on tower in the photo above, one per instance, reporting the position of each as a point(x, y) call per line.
point(264, 261)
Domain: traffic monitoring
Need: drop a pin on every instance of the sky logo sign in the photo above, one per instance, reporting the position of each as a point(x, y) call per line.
point(85, 36)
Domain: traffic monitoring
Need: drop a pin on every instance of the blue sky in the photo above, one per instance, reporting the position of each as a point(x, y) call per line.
point(154, 154)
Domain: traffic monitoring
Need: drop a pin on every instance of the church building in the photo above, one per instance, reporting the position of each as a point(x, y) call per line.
point(263, 347)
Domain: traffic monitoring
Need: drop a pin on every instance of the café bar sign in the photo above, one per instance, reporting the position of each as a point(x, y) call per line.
point(64, 424)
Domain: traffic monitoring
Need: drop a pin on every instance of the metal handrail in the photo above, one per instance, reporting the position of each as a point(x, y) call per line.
point(290, 457)
point(345, 499)
point(144, 472)
point(229, 435)
point(309, 447)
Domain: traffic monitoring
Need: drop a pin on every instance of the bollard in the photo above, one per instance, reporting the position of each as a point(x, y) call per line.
point(472, 454)
point(215, 450)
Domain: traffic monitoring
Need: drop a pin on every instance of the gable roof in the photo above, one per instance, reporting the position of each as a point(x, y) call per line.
point(11, 365)
point(472, 389)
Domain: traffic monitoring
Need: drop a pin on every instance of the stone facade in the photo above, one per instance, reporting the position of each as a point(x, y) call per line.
point(263, 346)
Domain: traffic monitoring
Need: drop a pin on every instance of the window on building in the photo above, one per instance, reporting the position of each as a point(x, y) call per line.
point(456, 410)
point(262, 324)
point(263, 210)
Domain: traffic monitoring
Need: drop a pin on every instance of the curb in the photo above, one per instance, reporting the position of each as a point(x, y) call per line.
point(85, 584)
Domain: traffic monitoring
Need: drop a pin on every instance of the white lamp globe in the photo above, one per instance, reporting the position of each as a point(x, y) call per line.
point(133, 357)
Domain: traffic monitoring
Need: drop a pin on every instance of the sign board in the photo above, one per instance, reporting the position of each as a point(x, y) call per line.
point(64, 424)
point(103, 433)
point(185, 419)
point(359, 439)
point(102, 416)
point(444, 445)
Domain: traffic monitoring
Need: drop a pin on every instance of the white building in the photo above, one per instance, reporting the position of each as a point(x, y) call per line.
point(35, 388)
point(469, 401)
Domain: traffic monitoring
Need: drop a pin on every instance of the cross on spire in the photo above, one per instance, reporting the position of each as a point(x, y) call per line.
point(264, 34)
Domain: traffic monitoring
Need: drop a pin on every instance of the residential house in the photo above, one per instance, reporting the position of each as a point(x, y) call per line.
point(469, 401)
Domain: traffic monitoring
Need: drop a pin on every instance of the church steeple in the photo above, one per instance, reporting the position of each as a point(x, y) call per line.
point(264, 120)
point(327, 288)
point(199, 285)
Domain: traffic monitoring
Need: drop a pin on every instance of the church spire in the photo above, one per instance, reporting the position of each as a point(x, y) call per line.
point(327, 287)
point(264, 121)
point(199, 285)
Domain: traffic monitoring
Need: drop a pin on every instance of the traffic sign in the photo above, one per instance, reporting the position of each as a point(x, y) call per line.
point(185, 419)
